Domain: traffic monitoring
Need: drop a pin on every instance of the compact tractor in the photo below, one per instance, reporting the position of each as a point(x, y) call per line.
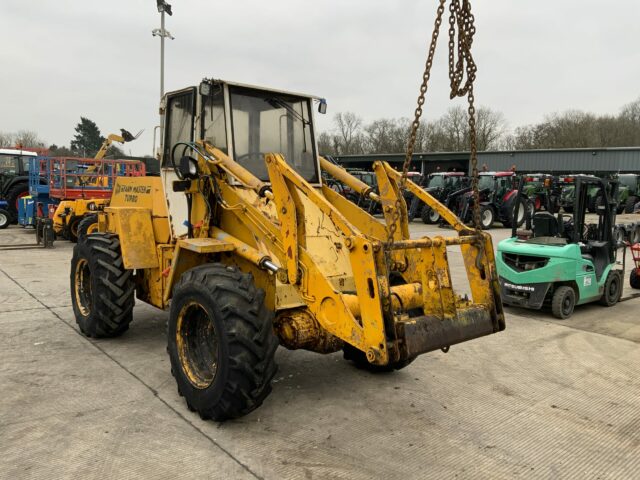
point(562, 261)
point(498, 193)
point(248, 248)
point(439, 185)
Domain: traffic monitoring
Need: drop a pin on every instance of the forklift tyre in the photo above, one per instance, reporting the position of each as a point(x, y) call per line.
point(102, 290)
point(487, 217)
point(87, 226)
point(563, 302)
point(220, 341)
point(634, 279)
point(612, 289)
point(5, 218)
point(359, 360)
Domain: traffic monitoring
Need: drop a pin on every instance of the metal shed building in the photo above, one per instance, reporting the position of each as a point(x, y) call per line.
point(574, 160)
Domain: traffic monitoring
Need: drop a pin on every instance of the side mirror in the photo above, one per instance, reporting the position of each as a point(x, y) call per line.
point(322, 106)
point(188, 167)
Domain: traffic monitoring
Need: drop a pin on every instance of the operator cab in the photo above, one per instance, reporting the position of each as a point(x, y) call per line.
point(243, 121)
point(246, 123)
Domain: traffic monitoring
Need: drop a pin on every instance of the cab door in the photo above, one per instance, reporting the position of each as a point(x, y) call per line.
point(178, 127)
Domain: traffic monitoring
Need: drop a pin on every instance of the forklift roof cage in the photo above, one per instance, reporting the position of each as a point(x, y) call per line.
point(71, 177)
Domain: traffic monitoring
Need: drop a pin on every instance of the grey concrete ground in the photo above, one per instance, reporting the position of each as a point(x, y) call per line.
point(543, 399)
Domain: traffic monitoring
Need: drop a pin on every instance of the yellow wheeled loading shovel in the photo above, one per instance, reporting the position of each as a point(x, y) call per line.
point(249, 248)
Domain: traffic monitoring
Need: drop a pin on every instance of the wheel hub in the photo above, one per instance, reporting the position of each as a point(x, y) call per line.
point(83, 287)
point(197, 345)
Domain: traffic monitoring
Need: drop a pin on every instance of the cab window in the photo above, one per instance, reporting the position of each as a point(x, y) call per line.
point(214, 130)
point(178, 123)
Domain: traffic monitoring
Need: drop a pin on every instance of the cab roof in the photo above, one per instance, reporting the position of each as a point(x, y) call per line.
point(497, 174)
point(12, 151)
point(254, 87)
point(449, 174)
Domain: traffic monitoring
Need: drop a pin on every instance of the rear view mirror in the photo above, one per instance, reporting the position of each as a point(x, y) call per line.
point(188, 167)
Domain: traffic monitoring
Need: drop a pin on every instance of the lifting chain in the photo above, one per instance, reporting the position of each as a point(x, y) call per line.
point(461, 21)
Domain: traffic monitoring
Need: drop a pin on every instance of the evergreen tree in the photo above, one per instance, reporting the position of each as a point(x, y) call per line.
point(87, 140)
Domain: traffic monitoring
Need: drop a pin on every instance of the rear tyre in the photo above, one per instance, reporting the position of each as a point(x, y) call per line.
point(487, 217)
point(563, 302)
point(568, 209)
point(612, 289)
point(87, 226)
point(221, 342)
point(634, 279)
point(102, 290)
point(520, 215)
point(5, 218)
point(359, 360)
point(631, 202)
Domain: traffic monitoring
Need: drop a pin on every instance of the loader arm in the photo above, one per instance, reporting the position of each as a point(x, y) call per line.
point(394, 310)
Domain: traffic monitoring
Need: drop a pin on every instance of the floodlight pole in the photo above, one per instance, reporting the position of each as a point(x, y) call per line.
point(162, 35)
point(163, 8)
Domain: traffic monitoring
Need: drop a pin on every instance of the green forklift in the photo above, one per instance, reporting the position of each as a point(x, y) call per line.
point(560, 261)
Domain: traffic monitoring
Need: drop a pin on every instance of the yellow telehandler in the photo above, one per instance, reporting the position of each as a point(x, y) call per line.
point(248, 248)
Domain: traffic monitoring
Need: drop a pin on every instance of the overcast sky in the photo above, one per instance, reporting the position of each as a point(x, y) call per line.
point(66, 58)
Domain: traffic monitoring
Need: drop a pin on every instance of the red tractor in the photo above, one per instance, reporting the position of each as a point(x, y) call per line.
point(498, 192)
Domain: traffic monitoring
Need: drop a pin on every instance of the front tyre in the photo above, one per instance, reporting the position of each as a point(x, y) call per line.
point(487, 217)
point(612, 289)
point(221, 342)
point(563, 302)
point(102, 290)
point(5, 218)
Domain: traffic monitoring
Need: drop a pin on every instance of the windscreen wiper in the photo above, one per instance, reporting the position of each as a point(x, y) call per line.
point(276, 102)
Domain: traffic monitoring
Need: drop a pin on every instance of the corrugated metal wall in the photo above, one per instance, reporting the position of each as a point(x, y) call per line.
point(600, 160)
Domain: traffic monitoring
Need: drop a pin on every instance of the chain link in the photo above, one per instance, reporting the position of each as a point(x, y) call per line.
point(461, 21)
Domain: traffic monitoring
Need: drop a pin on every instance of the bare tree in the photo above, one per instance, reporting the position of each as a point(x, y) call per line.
point(351, 139)
point(28, 138)
point(491, 128)
point(6, 139)
point(326, 144)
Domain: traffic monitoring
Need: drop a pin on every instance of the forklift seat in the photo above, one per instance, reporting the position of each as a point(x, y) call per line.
point(598, 253)
point(545, 225)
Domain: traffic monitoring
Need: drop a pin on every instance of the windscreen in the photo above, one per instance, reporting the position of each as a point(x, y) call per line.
point(436, 181)
point(485, 181)
point(266, 122)
point(8, 163)
point(627, 180)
